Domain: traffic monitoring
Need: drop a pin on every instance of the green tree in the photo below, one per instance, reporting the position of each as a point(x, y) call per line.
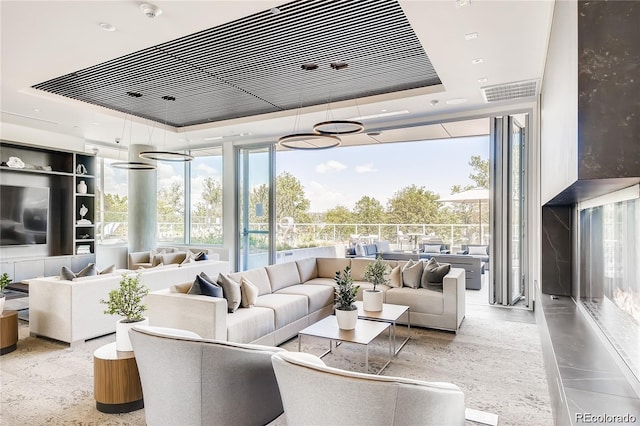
point(207, 214)
point(340, 215)
point(115, 208)
point(290, 198)
point(480, 173)
point(368, 210)
point(413, 204)
point(171, 203)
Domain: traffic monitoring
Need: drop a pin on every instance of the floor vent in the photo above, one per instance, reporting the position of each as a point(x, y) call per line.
point(510, 91)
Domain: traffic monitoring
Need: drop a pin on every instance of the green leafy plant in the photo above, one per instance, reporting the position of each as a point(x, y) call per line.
point(346, 291)
point(376, 272)
point(126, 300)
point(4, 282)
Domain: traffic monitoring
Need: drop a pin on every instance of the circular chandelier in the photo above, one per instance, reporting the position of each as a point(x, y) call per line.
point(166, 156)
point(132, 165)
point(338, 127)
point(309, 141)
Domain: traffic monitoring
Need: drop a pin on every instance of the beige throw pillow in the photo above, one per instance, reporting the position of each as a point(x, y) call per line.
point(395, 277)
point(249, 292)
point(231, 291)
point(411, 274)
point(180, 288)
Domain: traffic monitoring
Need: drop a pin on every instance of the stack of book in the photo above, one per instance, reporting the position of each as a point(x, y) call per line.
point(83, 249)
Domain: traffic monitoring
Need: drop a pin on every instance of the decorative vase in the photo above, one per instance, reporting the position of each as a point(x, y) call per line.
point(372, 300)
point(82, 187)
point(123, 343)
point(2, 299)
point(347, 319)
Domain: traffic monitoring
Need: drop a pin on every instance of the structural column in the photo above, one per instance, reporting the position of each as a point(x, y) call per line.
point(142, 202)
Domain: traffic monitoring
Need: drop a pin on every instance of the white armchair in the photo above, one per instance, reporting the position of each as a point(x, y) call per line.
point(314, 394)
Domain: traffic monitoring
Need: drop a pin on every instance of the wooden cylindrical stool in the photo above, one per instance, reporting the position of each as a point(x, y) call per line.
point(8, 331)
point(116, 381)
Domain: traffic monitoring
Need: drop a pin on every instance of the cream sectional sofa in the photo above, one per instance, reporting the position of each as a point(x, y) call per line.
point(70, 311)
point(293, 295)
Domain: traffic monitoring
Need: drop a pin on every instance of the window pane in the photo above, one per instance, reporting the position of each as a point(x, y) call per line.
point(112, 203)
point(206, 200)
point(171, 202)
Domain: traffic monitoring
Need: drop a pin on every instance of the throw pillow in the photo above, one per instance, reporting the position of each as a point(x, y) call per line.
point(181, 288)
point(88, 271)
point(432, 248)
point(395, 277)
point(108, 270)
point(360, 250)
point(204, 287)
point(189, 258)
point(201, 256)
point(477, 250)
point(67, 274)
point(159, 265)
point(434, 272)
point(155, 257)
point(249, 293)
point(231, 291)
point(411, 274)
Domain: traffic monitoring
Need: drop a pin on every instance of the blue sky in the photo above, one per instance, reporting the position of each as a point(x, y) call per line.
point(342, 176)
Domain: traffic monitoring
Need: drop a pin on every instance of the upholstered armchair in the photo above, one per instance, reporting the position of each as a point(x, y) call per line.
point(187, 380)
point(314, 394)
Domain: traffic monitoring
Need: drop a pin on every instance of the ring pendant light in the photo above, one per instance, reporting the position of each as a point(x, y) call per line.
point(160, 155)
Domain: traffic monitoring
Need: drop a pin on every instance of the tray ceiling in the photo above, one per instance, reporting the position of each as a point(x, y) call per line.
point(254, 65)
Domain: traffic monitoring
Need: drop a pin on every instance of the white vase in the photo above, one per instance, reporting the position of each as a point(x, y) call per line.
point(347, 319)
point(123, 343)
point(372, 300)
point(2, 299)
point(82, 187)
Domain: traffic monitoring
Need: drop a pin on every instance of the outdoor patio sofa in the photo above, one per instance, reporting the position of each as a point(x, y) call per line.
point(293, 295)
point(70, 311)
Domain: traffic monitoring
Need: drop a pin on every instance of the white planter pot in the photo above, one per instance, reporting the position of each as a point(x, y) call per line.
point(123, 343)
point(372, 300)
point(2, 299)
point(347, 319)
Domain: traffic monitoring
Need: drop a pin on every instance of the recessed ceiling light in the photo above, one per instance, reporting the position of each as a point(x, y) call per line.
point(212, 138)
point(275, 10)
point(471, 36)
point(150, 10)
point(463, 3)
point(383, 110)
point(477, 61)
point(483, 80)
point(107, 26)
point(96, 124)
point(456, 101)
point(36, 110)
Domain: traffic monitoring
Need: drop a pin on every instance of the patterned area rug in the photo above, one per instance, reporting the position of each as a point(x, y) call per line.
point(497, 363)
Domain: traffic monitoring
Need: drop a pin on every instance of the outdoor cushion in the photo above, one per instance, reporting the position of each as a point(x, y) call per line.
point(432, 248)
point(307, 269)
point(287, 307)
point(283, 275)
point(360, 250)
point(383, 246)
point(257, 276)
point(318, 296)
point(477, 250)
point(246, 325)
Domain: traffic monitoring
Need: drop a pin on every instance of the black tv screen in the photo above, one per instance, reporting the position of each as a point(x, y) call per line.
point(24, 213)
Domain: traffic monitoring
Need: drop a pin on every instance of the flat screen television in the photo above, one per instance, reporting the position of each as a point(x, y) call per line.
point(24, 214)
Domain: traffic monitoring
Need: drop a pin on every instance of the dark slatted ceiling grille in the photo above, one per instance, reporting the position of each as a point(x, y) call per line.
point(252, 65)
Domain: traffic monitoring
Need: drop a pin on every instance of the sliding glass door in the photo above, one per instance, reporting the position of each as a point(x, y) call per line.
point(255, 205)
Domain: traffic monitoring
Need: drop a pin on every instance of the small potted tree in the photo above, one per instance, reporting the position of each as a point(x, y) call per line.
point(126, 301)
point(4, 282)
point(376, 273)
point(345, 297)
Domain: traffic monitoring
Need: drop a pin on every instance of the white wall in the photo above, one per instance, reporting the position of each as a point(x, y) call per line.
point(559, 104)
point(49, 139)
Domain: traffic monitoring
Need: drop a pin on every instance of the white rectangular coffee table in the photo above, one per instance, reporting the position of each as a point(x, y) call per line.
point(390, 314)
point(364, 333)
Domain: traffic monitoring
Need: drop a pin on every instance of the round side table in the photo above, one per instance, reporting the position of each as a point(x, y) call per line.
point(8, 331)
point(116, 381)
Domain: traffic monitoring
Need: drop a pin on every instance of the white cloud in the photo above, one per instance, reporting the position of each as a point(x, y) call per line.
point(206, 170)
point(366, 168)
point(323, 198)
point(330, 166)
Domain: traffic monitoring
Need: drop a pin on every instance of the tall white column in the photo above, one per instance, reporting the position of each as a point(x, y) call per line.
point(142, 203)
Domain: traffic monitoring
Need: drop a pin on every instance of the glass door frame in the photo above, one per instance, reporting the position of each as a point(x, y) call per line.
point(242, 228)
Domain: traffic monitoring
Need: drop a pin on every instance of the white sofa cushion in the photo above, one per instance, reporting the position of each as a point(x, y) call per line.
point(307, 269)
point(323, 281)
point(283, 275)
point(287, 307)
point(419, 300)
point(358, 265)
point(257, 276)
point(328, 266)
point(318, 296)
point(246, 325)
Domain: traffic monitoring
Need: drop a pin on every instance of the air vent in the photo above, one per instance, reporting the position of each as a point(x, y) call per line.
point(510, 91)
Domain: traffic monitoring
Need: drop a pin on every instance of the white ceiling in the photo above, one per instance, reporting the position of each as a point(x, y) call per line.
point(41, 40)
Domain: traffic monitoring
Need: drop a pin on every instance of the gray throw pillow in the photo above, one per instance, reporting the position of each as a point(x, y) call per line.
point(67, 274)
point(205, 288)
point(231, 291)
point(411, 274)
point(88, 271)
point(434, 272)
point(109, 269)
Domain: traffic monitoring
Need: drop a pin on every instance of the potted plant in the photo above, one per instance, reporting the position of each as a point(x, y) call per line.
point(126, 301)
point(345, 296)
point(4, 282)
point(376, 273)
